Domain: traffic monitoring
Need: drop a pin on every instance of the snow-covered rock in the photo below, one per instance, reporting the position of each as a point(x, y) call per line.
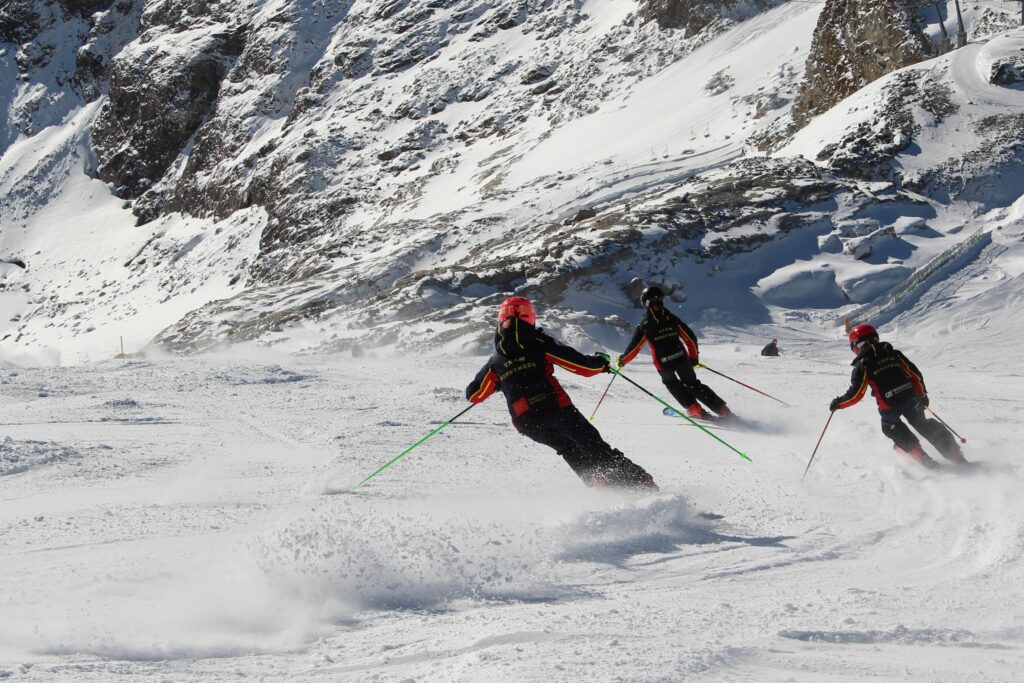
point(335, 175)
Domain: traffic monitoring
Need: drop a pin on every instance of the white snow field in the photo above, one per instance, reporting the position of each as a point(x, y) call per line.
point(183, 519)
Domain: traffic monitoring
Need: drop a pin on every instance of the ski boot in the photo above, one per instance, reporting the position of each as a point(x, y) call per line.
point(647, 482)
point(726, 415)
point(957, 458)
point(696, 411)
point(918, 454)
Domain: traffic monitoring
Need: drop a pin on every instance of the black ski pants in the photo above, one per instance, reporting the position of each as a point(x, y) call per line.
point(580, 444)
point(682, 383)
point(913, 410)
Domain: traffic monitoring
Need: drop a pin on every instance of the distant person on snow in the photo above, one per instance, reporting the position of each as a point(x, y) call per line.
point(771, 348)
point(898, 387)
point(674, 349)
point(522, 368)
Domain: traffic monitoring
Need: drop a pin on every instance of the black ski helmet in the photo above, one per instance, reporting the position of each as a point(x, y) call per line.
point(652, 295)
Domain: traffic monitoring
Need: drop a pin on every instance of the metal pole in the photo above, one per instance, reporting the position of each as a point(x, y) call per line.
point(946, 425)
point(733, 379)
point(601, 400)
point(942, 25)
point(961, 34)
point(818, 444)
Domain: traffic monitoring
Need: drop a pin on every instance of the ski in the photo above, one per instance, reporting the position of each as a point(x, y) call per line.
point(710, 422)
point(930, 464)
point(926, 461)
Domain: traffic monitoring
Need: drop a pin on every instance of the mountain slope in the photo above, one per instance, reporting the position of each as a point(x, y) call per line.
point(320, 187)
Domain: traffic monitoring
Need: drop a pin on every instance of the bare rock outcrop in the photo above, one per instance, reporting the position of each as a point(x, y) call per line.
point(63, 49)
point(857, 42)
point(696, 15)
point(161, 89)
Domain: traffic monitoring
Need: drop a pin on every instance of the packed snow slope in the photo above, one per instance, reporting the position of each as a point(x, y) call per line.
point(180, 518)
point(323, 176)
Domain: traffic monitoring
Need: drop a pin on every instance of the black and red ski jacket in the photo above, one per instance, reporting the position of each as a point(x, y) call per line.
point(522, 367)
point(671, 341)
point(890, 374)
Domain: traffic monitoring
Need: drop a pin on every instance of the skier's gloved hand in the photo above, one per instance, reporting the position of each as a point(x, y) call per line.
point(619, 363)
point(694, 362)
point(834, 405)
point(607, 361)
point(924, 400)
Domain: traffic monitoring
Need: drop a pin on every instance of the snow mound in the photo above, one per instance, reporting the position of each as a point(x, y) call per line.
point(900, 635)
point(368, 553)
point(611, 536)
point(22, 456)
point(272, 374)
point(802, 286)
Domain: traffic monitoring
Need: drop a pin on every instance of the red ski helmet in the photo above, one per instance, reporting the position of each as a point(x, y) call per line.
point(517, 307)
point(860, 335)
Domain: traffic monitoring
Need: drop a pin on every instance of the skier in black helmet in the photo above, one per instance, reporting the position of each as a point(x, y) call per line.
point(898, 388)
point(675, 352)
point(522, 367)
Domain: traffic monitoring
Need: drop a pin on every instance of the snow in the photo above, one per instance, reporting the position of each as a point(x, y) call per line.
point(191, 517)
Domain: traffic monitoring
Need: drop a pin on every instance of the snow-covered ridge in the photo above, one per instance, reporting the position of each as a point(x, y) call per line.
point(319, 185)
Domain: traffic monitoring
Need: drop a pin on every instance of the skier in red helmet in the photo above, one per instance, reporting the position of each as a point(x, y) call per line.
point(674, 349)
point(522, 367)
point(898, 388)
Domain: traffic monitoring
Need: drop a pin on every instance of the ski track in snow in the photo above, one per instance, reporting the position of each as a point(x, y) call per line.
point(219, 537)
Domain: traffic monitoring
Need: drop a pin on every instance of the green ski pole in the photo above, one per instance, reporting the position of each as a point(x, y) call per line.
point(601, 400)
point(682, 413)
point(401, 455)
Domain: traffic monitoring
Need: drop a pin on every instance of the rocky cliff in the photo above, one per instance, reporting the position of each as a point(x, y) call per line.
point(855, 43)
point(216, 108)
point(63, 48)
point(383, 172)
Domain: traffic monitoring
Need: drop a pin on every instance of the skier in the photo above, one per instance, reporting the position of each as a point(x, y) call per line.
point(771, 348)
point(675, 352)
point(898, 387)
point(522, 368)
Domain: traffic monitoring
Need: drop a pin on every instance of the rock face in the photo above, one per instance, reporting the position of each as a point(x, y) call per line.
point(866, 150)
point(161, 89)
point(369, 171)
point(730, 212)
point(696, 15)
point(857, 42)
point(294, 105)
point(64, 47)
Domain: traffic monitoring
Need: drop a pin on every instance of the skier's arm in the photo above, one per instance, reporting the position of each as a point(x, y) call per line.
point(572, 360)
point(915, 375)
point(689, 339)
point(635, 344)
point(483, 385)
point(858, 385)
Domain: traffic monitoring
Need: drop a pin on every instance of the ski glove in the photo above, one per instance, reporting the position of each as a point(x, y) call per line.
point(834, 405)
point(607, 361)
point(924, 400)
point(694, 362)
